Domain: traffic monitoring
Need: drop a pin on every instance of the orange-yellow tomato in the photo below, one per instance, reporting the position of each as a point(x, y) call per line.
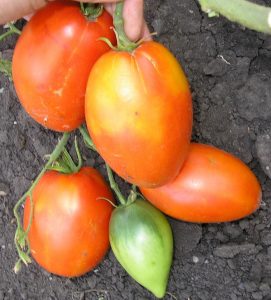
point(213, 186)
point(52, 61)
point(139, 113)
point(69, 234)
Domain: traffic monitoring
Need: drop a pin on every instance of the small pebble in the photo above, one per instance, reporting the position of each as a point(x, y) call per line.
point(195, 259)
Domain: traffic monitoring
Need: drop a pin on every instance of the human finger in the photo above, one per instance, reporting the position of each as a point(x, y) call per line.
point(134, 23)
point(133, 18)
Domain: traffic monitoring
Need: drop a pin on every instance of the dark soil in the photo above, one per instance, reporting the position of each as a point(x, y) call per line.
point(229, 69)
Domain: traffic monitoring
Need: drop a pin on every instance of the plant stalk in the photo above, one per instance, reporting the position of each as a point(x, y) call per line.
point(91, 11)
point(20, 239)
point(12, 29)
point(114, 186)
point(88, 141)
point(248, 14)
point(110, 175)
point(124, 44)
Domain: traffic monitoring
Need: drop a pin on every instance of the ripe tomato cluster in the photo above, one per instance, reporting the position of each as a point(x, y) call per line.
point(137, 105)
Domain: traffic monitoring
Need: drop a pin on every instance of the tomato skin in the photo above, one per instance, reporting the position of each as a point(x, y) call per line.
point(213, 186)
point(139, 113)
point(52, 61)
point(69, 235)
point(144, 246)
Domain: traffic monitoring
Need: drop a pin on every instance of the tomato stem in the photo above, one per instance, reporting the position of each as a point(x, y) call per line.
point(65, 163)
point(12, 29)
point(79, 156)
point(124, 44)
point(21, 239)
point(114, 186)
point(88, 141)
point(250, 15)
point(92, 11)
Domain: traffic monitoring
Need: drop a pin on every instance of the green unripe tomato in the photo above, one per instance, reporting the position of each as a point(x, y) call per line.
point(141, 239)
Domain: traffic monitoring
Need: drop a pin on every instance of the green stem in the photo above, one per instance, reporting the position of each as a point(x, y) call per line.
point(112, 181)
point(21, 235)
point(82, 7)
point(114, 186)
point(31, 214)
point(250, 15)
point(65, 164)
point(68, 162)
point(60, 167)
point(12, 30)
point(79, 156)
point(92, 11)
point(6, 34)
point(124, 44)
point(88, 141)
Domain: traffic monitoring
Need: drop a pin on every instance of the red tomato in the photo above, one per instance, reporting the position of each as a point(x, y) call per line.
point(213, 186)
point(139, 113)
point(52, 61)
point(69, 235)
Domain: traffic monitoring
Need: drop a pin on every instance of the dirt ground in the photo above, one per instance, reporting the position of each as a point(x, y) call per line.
point(229, 69)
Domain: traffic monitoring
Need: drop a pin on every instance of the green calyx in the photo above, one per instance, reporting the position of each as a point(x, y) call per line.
point(91, 11)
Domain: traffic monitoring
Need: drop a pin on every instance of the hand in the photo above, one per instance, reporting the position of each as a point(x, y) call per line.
point(134, 22)
point(135, 25)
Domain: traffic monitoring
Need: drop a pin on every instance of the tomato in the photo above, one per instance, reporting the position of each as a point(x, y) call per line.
point(69, 234)
point(52, 61)
point(144, 246)
point(213, 186)
point(139, 113)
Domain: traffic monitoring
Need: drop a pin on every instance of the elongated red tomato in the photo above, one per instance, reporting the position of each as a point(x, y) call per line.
point(52, 61)
point(69, 234)
point(139, 113)
point(213, 186)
